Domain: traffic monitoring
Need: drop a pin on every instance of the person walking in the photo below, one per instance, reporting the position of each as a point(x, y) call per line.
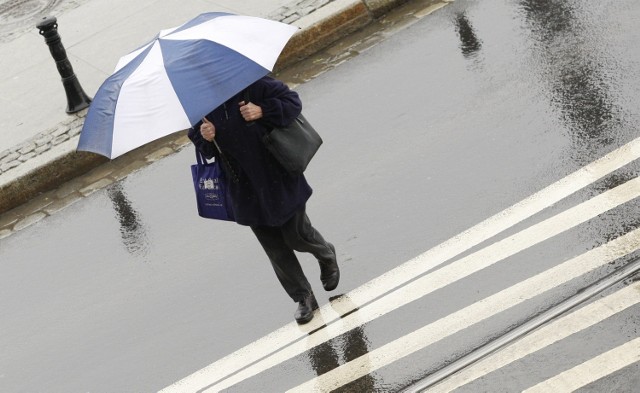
point(264, 195)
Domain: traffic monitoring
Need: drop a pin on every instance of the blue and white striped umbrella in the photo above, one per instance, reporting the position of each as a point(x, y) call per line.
point(172, 82)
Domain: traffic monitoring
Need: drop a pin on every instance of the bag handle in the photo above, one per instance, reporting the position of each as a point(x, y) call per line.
point(201, 159)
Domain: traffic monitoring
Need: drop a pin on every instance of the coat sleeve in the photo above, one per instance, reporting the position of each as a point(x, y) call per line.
point(205, 147)
point(280, 105)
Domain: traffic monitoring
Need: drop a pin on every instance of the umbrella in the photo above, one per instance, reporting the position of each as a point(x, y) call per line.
point(173, 81)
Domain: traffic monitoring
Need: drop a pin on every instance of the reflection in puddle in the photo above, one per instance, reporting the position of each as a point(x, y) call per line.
point(132, 231)
point(469, 42)
point(580, 75)
point(583, 77)
point(350, 346)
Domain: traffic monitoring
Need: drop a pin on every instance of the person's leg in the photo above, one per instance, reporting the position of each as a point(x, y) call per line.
point(284, 262)
point(300, 235)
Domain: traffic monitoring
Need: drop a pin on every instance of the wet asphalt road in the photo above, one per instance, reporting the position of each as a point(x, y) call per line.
point(437, 128)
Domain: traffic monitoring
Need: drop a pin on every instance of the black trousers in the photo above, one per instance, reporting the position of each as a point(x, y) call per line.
point(279, 243)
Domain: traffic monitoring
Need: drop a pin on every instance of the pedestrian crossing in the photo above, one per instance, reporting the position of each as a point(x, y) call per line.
point(437, 269)
point(472, 315)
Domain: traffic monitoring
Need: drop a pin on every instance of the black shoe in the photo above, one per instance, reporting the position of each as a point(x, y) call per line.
point(329, 272)
point(304, 313)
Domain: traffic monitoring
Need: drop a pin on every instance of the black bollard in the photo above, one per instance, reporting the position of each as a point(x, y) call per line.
point(77, 99)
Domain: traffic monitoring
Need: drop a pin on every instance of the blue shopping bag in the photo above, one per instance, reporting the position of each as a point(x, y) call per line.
point(212, 198)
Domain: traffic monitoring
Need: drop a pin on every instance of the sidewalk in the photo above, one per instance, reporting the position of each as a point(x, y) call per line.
point(37, 147)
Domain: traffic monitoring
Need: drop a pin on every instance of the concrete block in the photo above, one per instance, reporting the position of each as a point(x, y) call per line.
point(322, 28)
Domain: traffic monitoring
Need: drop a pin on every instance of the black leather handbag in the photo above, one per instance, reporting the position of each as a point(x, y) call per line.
point(294, 145)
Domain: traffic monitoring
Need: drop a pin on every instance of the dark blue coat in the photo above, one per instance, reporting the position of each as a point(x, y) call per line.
point(266, 193)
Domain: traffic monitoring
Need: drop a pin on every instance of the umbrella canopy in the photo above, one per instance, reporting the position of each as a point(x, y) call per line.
point(172, 82)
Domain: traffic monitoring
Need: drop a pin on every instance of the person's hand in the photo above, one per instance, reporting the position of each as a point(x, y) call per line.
point(207, 130)
point(250, 111)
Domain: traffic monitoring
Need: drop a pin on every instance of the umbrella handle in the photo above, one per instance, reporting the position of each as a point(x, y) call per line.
point(246, 101)
point(227, 164)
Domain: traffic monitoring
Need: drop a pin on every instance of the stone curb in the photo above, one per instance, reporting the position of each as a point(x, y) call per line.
point(320, 28)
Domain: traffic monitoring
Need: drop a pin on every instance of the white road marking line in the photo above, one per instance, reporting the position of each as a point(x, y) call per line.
point(592, 370)
point(451, 273)
point(472, 314)
point(560, 329)
point(375, 288)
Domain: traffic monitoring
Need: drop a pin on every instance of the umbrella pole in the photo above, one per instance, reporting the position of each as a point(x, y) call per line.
point(227, 164)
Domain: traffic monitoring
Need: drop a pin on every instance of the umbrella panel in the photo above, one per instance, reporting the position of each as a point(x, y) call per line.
point(96, 135)
point(205, 74)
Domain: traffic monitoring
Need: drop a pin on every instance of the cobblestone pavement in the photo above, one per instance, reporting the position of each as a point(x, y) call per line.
point(41, 143)
point(296, 10)
point(112, 171)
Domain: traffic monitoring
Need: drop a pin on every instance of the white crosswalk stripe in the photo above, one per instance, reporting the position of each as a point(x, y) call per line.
point(592, 370)
point(389, 292)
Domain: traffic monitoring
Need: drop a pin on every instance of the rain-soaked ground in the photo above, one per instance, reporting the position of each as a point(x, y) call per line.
point(432, 126)
point(17, 16)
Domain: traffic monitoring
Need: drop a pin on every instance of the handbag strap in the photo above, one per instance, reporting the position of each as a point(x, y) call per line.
point(200, 158)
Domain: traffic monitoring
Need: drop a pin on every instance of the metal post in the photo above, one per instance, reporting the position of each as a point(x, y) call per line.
point(77, 99)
